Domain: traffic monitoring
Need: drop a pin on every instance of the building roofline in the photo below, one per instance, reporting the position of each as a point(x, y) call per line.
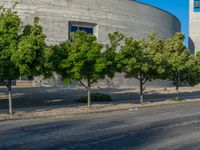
point(154, 7)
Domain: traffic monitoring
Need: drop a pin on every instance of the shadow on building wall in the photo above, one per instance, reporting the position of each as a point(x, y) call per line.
point(191, 46)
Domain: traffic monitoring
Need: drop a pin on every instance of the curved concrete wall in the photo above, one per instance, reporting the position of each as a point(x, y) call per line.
point(129, 17)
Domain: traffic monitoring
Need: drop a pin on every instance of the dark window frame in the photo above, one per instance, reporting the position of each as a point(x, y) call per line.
point(89, 28)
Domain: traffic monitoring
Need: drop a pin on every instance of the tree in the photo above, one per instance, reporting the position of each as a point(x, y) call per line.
point(33, 56)
point(80, 59)
point(194, 72)
point(141, 59)
point(179, 61)
point(60, 53)
point(22, 54)
point(9, 28)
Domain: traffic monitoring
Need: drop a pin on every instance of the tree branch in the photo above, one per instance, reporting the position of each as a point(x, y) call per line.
point(137, 78)
point(4, 82)
point(83, 84)
point(145, 80)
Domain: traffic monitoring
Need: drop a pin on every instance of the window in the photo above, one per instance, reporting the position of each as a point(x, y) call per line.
point(74, 28)
point(196, 5)
point(89, 28)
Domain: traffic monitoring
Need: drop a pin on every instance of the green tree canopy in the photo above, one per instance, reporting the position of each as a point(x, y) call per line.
point(60, 53)
point(108, 62)
point(9, 28)
point(33, 56)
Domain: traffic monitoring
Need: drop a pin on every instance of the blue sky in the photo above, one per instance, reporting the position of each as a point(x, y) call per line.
point(179, 8)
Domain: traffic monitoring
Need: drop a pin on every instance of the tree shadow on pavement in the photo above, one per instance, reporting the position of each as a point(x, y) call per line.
point(41, 97)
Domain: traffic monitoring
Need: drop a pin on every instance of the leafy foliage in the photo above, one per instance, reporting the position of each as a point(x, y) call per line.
point(9, 28)
point(33, 56)
point(60, 53)
point(108, 59)
point(194, 73)
point(83, 52)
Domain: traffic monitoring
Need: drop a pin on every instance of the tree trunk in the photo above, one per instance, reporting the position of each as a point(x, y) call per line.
point(141, 93)
point(10, 96)
point(177, 84)
point(89, 94)
point(177, 92)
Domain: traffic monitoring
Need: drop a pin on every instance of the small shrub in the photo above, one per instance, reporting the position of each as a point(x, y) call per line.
point(95, 97)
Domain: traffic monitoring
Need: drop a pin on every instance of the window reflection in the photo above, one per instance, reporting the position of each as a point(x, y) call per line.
point(196, 4)
point(74, 28)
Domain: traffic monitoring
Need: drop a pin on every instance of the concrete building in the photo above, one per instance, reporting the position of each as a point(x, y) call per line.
point(99, 17)
point(194, 26)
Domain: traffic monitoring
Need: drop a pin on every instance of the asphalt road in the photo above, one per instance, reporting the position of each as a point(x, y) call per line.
point(175, 127)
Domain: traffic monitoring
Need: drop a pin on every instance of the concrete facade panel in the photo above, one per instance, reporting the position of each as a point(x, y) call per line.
point(130, 17)
point(194, 29)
